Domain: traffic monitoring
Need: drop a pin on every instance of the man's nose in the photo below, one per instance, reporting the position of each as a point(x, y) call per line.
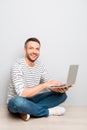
point(34, 50)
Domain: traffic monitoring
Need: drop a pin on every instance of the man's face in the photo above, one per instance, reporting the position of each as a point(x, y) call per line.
point(32, 50)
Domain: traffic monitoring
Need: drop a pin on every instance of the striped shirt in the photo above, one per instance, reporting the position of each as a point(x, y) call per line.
point(22, 75)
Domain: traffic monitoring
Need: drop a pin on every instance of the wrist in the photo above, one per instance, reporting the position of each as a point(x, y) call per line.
point(45, 85)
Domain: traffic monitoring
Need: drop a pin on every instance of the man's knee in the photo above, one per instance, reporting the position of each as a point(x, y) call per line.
point(65, 96)
point(62, 96)
point(16, 101)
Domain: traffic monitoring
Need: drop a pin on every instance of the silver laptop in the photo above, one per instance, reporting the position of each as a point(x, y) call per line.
point(72, 74)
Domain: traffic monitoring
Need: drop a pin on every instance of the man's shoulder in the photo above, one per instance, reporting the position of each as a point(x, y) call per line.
point(39, 63)
point(18, 61)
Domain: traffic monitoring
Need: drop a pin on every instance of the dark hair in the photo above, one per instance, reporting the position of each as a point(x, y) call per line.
point(31, 39)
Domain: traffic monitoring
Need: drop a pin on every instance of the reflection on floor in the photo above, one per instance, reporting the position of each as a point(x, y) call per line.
point(75, 118)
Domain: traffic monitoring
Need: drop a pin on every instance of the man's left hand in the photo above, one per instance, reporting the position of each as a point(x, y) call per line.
point(60, 90)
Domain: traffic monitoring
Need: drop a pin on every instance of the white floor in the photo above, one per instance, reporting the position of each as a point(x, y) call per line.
point(75, 118)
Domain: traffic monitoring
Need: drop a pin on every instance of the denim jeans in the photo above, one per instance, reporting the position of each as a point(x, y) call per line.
point(36, 106)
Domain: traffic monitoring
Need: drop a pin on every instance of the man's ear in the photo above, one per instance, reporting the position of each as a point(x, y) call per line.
point(24, 50)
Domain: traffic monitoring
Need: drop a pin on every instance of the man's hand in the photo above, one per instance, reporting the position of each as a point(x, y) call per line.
point(52, 83)
point(60, 90)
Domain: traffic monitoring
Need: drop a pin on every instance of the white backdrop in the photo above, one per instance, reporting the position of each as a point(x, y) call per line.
point(60, 25)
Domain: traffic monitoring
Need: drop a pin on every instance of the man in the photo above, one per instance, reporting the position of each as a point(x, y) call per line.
point(30, 92)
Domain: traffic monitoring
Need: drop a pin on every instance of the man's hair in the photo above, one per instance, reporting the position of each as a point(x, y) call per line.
point(31, 39)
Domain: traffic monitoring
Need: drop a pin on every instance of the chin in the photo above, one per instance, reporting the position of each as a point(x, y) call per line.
point(33, 60)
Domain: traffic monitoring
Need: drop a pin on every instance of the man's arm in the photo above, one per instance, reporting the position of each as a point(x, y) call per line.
point(32, 91)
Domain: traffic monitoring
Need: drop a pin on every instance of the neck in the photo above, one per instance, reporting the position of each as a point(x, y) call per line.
point(30, 63)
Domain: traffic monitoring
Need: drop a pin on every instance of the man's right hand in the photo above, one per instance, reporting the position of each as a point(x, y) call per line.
point(52, 83)
point(60, 90)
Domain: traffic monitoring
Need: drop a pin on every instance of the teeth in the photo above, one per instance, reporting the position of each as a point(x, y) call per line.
point(34, 55)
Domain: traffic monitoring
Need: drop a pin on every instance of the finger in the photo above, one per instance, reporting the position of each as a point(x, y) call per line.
point(63, 89)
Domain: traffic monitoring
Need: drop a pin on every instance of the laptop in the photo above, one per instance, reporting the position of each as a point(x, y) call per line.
point(71, 78)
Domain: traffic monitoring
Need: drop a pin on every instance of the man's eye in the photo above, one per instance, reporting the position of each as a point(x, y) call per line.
point(38, 49)
point(30, 48)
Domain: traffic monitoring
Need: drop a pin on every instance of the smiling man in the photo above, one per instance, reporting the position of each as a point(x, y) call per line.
point(30, 91)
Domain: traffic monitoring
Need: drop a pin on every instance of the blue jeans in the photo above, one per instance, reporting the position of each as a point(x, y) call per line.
point(36, 106)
